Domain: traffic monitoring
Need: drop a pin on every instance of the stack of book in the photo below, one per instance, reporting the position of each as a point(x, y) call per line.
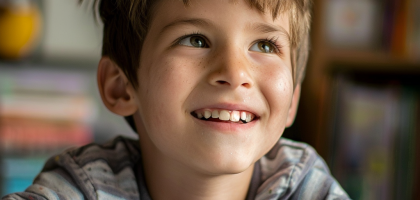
point(41, 113)
point(392, 25)
point(374, 153)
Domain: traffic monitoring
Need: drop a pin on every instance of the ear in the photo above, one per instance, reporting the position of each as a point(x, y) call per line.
point(294, 106)
point(116, 91)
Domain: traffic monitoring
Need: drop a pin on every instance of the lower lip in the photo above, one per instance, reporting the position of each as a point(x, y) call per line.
point(227, 127)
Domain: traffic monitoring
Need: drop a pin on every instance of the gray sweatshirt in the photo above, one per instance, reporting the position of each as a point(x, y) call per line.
point(291, 170)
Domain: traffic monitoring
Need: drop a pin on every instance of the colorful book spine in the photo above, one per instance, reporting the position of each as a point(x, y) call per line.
point(374, 150)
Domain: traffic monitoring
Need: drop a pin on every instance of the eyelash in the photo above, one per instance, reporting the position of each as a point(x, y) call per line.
point(272, 40)
point(176, 42)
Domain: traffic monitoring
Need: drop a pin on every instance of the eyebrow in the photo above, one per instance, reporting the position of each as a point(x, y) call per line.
point(258, 26)
point(267, 28)
point(193, 21)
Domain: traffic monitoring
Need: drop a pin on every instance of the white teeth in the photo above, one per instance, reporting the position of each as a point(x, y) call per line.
point(215, 114)
point(248, 117)
point(243, 116)
point(224, 115)
point(207, 114)
point(234, 116)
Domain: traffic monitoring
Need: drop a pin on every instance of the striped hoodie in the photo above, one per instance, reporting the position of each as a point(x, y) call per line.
point(291, 170)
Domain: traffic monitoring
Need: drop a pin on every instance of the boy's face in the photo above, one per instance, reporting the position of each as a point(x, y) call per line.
point(213, 55)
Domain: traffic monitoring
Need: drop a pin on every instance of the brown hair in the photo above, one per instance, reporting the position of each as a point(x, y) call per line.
point(126, 24)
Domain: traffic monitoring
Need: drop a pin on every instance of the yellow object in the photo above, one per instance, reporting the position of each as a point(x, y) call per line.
point(19, 30)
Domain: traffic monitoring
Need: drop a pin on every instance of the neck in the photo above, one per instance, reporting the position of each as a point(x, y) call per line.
point(169, 179)
point(180, 183)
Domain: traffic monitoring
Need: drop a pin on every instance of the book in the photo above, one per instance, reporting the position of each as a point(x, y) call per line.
point(354, 24)
point(41, 137)
point(416, 175)
point(18, 173)
point(54, 107)
point(46, 94)
point(42, 113)
point(374, 153)
point(400, 28)
point(413, 26)
point(405, 152)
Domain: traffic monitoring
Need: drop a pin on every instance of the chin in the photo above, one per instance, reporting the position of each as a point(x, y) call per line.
point(228, 164)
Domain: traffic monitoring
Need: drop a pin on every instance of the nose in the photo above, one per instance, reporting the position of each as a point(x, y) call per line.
point(231, 68)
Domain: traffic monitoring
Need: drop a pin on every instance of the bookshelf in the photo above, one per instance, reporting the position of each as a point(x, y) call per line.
point(48, 97)
point(381, 67)
point(45, 108)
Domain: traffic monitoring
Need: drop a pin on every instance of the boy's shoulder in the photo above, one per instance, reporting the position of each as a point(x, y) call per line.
point(291, 170)
point(90, 172)
point(294, 170)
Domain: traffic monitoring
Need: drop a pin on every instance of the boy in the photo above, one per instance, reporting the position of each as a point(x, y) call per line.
point(209, 86)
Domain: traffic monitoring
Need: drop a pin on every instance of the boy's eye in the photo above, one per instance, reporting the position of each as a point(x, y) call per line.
point(264, 47)
point(194, 41)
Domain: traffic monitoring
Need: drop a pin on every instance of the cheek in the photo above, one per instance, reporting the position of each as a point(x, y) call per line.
point(164, 86)
point(276, 89)
point(276, 85)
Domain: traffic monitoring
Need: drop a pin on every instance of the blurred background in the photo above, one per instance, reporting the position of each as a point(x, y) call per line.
point(49, 50)
point(360, 102)
point(359, 108)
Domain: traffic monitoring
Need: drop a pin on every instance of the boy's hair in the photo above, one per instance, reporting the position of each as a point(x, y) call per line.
point(126, 24)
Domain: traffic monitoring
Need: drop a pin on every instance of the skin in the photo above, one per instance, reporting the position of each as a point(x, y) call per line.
point(184, 157)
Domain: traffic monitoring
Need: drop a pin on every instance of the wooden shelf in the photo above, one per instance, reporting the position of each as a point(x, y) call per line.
point(315, 121)
point(371, 61)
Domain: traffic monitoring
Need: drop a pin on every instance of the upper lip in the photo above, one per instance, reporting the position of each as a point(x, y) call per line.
point(230, 107)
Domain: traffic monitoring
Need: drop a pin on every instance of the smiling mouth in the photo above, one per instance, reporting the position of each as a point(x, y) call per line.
point(216, 115)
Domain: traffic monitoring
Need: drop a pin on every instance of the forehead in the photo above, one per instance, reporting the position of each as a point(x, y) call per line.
point(274, 7)
point(169, 13)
